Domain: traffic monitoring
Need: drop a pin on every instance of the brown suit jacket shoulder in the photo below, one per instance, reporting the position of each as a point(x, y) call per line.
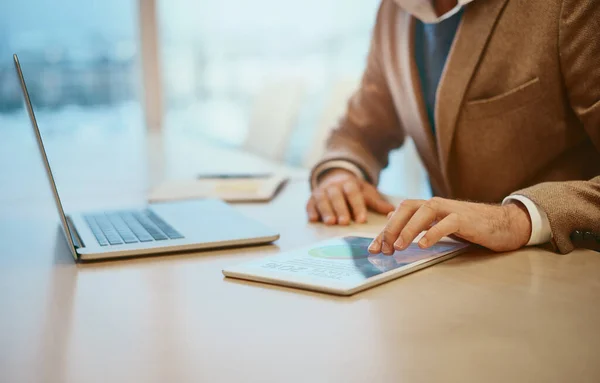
point(518, 108)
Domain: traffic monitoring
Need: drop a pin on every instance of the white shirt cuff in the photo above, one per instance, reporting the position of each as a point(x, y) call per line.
point(335, 164)
point(540, 226)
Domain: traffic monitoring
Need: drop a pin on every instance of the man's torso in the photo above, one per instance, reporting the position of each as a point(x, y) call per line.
point(503, 119)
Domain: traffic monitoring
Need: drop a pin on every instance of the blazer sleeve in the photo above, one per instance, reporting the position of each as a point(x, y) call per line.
point(370, 128)
point(575, 205)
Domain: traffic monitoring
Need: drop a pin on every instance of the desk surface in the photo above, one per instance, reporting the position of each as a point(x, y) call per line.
point(529, 316)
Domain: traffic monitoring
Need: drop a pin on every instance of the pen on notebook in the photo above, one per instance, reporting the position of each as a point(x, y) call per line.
point(234, 176)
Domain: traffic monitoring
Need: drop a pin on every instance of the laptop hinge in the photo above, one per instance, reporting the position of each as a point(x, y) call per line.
point(77, 242)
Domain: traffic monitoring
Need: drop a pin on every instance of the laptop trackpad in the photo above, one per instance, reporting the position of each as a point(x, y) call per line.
point(210, 220)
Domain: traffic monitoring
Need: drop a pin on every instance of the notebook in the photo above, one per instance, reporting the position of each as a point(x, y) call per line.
point(226, 188)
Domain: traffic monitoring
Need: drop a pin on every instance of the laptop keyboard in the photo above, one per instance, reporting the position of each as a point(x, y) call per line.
point(125, 227)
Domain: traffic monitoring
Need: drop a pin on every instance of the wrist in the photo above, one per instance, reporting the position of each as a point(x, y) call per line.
point(519, 222)
point(334, 172)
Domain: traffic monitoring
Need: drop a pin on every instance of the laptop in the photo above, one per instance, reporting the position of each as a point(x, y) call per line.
point(151, 228)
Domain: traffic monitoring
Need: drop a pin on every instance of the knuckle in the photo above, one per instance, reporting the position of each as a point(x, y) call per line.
point(350, 186)
point(357, 194)
point(404, 204)
point(360, 205)
point(432, 204)
point(357, 204)
point(322, 203)
point(409, 204)
point(455, 221)
point(453, 217)
point(319, 193)
point(433, 233)
point(388, 232)
point(371, 192)
point(341, 207)
point(408, 231)
point(333, 191)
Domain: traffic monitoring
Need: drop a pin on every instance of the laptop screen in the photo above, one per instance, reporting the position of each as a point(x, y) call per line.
point(38, 136)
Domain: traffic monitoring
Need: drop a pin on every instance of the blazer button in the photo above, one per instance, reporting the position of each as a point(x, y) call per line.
point(590, 236)
point(586, 240)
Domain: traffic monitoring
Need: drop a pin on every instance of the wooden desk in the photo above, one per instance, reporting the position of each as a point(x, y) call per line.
point(528, 316)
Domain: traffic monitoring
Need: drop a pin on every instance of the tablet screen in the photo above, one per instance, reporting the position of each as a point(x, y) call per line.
point(340, 262)
point(351, 255)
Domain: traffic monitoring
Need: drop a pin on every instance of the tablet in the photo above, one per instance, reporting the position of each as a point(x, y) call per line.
point(342, 266)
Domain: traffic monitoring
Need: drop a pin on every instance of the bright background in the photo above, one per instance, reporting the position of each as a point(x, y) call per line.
point(228, 69)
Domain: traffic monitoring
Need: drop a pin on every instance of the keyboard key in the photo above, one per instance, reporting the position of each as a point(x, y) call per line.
point(114, 240)
point(165, 227)
point(116, 228)
point(100, 237)
point(108, 230)
point(123, 230)
point(137, 229)
point(152, 229)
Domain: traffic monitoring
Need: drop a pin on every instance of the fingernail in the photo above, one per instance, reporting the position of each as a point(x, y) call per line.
point(361, 218)
point(423, 242)
point(399, 245)
point(328, 219)
point(387, 248)
point(373, 247)
point(344, 220)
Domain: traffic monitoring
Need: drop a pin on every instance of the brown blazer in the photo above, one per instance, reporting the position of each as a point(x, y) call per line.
point(517, 112)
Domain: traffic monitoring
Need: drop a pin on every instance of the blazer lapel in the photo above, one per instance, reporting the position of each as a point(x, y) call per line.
point(469, 44)
point(413, 111)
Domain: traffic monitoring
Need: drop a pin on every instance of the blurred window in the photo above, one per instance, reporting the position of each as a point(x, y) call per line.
point(218, 56)
point(79, 58)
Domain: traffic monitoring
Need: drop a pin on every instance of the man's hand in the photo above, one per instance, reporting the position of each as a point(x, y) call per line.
point(341, 196)
point(499, 228)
